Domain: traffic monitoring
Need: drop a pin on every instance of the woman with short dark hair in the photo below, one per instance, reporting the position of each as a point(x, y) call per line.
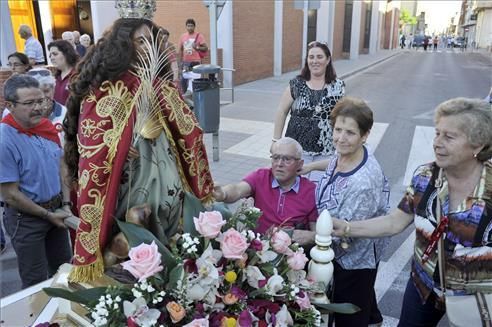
point(353, 188)
point(64, 57)
point(310, 98)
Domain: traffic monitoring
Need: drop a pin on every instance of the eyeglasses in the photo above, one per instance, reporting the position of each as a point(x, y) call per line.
point(288, 160)
point(15, 64)
point(42, 72)
point(33, 103)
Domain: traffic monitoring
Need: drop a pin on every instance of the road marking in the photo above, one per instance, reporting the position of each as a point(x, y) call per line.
point(258, 144)
point(426, 115)
point(421, 151)
point(388, 271)
point(390, 321)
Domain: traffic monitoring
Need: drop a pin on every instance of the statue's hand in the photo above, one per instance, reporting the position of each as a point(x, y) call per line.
point(139, 215)
point(133, 153)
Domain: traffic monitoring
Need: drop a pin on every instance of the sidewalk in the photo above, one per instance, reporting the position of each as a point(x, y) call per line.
point(246, 126)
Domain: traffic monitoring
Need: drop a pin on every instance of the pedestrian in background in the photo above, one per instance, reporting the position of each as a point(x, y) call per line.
point(32, 48)
point(310, 98)
point(19, 63)
point(35, 195)
point(426, 42)
point(353, 188)
point(85, 41)
point(52, 110)
point(64, 58)
point(410, 41)
point(192, 47)
point(460, 177)
point(78, 46)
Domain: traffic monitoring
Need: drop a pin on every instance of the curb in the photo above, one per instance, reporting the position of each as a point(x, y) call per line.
point(372, 64)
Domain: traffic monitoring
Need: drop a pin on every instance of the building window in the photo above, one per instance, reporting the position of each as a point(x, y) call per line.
point(347, 26)
point(312, 19)
point(367, 26)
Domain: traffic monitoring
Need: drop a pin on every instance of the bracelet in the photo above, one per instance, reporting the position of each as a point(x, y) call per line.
point(274, 140)
point(346, 230)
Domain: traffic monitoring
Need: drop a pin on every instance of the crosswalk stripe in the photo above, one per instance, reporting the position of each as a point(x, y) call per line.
point(421, 151)
point(388, 271)
point(258, 144)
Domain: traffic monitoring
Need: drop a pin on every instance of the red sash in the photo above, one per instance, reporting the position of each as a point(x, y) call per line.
point(44, 129)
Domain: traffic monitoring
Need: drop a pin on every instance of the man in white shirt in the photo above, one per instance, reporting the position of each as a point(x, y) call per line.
point(32, 48)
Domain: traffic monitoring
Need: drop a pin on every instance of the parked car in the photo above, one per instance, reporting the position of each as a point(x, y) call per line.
point(458, 42)
point(418, 41)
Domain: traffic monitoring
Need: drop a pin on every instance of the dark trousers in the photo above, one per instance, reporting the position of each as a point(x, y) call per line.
point(40, 246)
point(356, 287)
point(187, 66)
point(2, 236)
point(414, 313)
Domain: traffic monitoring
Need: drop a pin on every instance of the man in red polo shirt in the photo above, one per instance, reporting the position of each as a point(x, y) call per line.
point(285, 198)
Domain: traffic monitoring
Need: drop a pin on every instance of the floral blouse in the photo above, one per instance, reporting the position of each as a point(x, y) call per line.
point(360, 194)
point(468, 242)
point(310, 115)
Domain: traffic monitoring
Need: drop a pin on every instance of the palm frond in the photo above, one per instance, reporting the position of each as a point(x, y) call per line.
point(152, 61)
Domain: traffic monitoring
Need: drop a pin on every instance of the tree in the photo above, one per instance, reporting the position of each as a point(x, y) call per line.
point(407, 19)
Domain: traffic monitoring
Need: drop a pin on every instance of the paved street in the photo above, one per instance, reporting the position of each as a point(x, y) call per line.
point(402, 89)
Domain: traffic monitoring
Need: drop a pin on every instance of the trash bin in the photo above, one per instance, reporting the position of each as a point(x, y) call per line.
point(206, 98)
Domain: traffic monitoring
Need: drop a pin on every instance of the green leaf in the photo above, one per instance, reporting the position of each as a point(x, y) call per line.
point(82, 296)
point(176, 274)
point(223, 209)
point(192, 207)
point(345, 308)
point(137, 235)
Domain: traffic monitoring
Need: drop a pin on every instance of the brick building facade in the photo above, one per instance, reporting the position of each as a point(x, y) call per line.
point(264, 38)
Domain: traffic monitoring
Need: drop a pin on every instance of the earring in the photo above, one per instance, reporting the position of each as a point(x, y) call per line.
point(475, 155)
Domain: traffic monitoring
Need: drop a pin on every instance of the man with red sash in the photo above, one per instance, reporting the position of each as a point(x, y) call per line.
point(36, 201)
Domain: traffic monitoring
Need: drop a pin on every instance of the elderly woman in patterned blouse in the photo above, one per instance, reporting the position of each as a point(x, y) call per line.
point(463, 148)
point(310, 98)
point(353, 188)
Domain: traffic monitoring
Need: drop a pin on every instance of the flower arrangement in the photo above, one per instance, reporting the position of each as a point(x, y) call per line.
point(221, 273)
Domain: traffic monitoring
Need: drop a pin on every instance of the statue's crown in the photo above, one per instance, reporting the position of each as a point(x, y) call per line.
point(136, 8)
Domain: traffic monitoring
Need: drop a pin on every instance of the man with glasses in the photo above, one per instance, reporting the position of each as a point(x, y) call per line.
point(286, 199)
point(36, 201)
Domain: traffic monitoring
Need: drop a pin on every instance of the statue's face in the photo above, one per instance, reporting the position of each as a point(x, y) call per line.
point(139, 37)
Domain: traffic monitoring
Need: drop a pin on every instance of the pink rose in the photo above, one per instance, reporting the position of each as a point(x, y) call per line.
point(203, 322)
point(144, 261)
point(297, 260)
point(233, 244)
point(209, 223)
point(302, 300)
point(280, 242)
